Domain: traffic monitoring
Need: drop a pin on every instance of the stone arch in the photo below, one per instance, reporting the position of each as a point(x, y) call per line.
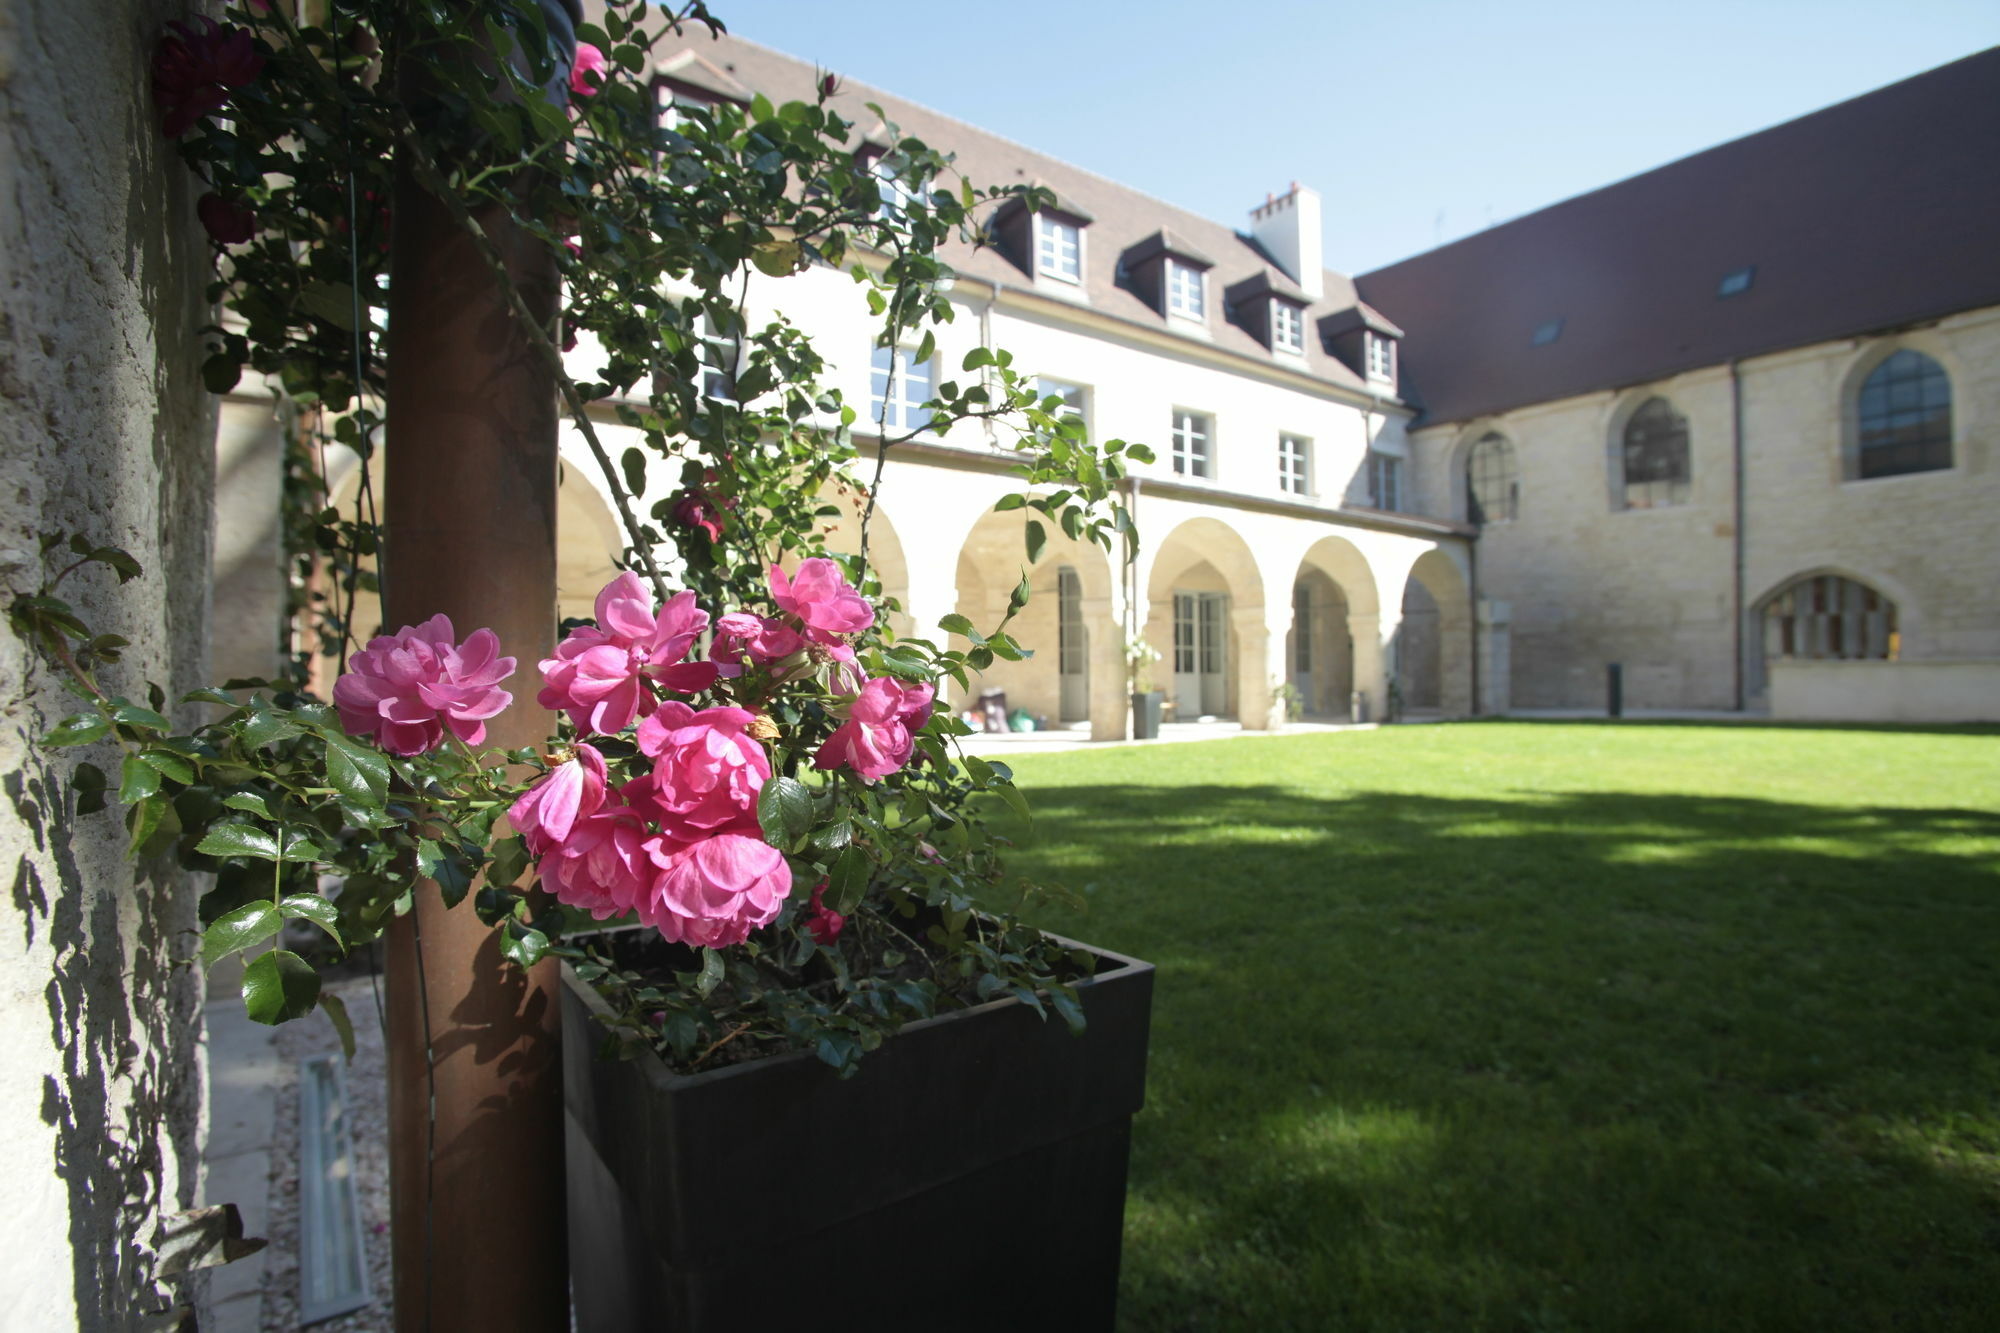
point(589, 541)
point(1431, 650)
point(1333, 644)
point(888, 566)
point(1088, 683)
point(1206, 617)
point(1823, 612)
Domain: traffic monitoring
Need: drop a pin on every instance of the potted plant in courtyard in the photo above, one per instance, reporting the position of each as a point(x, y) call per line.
point(1147, 702)
point(750, 835)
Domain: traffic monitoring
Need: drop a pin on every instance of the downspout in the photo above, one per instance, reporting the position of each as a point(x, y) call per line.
point(1472, 564)
point(986, 340)
point(1736, 527)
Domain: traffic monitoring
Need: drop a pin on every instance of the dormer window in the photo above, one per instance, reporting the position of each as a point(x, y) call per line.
point(1287, 327)
point(1186, 290)
point(1058, 248)
point(1381, 359)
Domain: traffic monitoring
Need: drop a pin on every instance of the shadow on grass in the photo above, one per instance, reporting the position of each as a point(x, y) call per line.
point(1741, 721)
point(1592, 1061)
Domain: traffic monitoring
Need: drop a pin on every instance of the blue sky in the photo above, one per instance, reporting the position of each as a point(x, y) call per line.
point(1418, 122)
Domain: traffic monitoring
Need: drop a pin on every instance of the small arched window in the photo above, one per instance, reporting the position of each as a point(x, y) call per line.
point(1903, 417)
point(1653, 458)
point(1492, 490)
point(1825, 615)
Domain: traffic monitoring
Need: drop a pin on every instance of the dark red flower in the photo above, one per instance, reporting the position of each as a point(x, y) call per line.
point(698, 509)
point(229, 222)
point(824, 925)
point(829, 84)
point(195, 72)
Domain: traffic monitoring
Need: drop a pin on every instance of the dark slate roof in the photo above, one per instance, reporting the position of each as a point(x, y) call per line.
point(1878, 212)
point(1120, 217)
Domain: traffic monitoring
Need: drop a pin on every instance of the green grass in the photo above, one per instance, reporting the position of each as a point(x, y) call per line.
point(1530, 1026)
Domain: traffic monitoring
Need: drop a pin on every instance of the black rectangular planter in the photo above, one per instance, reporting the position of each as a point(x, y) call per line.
point(971, 1176)
point(1146, 715)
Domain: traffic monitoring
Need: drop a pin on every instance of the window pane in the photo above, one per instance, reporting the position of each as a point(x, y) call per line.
point(1904, 417)
point(1490, 484)
point(1655, 457)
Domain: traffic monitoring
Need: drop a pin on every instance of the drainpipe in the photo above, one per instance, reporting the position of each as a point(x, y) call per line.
point(989, 425)
point(1736, 527)
point(1472, 562)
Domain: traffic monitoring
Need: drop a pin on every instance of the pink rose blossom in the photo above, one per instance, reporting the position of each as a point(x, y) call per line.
point(821, 599)
point(228, 221)
point(707, 770)
point(598, 676)
point(589, 60)
point(546, 812)
point(824, 923)
point(714, 892)
point(602, 867)
point(405, 689)
point(194, 73)
point(875, 740)
point(761, 639)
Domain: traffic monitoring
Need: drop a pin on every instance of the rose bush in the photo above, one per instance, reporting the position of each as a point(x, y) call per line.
point(715, 745)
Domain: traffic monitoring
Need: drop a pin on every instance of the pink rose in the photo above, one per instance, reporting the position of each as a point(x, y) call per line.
point(714, 892)
point(602, 866)
point(228, 221)
point(589, 60)
point(599, 676)
point(546, 812)
point(824, 924)
point(405, 689)
point(820, 598)
point(875, 739)
point(194, 73)
point(698, 509)
point(707, 770)
point(762, 640)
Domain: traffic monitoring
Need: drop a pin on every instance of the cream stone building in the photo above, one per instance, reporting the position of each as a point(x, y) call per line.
point(1726, 425)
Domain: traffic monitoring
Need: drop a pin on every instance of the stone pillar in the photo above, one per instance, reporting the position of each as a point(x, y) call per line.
point(1260, 642)
point(1371, 634)
point(1110, 701)
point(1496, 686)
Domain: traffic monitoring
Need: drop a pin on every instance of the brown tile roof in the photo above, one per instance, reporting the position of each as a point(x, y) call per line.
point(1879, 212)
point(1120, 217)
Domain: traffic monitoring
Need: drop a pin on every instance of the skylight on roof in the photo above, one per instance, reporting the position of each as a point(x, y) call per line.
point(1733, 284)
point(1546, 332)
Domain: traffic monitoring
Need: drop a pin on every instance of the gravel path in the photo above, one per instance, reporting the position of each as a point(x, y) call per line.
point(368, 1121)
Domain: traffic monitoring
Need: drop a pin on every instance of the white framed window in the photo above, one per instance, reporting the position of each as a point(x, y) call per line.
point(1288, 327)
point(1381, 358)
point(1058, 248)
point(1193, 441)
point(1294, 453)
point(899, 405)
point(1074, 397)
point(718, 352)
point(894, 196)
point(1186, 290)
point(1385, 480)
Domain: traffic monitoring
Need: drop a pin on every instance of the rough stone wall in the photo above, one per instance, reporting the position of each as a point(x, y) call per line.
point(104, 429)
point(1590, 584)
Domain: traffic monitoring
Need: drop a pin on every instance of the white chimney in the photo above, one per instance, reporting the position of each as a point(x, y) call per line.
point(1288, 227)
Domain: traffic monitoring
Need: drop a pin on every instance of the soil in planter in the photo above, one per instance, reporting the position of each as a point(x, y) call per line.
point(881, 962)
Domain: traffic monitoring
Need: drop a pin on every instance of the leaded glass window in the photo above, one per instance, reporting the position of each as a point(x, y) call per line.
point(1654, 458)
point(1492, 491)
point(1904, 417)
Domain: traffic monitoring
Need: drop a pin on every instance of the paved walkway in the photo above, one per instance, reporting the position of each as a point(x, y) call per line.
point(243, 1076)
point(1002, 744)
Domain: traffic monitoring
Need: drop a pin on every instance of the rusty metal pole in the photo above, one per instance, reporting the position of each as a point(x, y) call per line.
point(475, 1076)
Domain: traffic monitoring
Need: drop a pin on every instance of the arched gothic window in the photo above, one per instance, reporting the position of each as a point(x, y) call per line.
point(1492, 490)
point(1825, 615)
point(1904, 418)
point(1653, 458)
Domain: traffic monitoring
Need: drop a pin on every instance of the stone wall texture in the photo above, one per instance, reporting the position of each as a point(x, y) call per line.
point(1590, 583)
point(105, 430)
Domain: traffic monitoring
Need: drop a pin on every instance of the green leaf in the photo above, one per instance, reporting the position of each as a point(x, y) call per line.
point(239, 840)
point(980, 771)
point(359, 774)
point(977, 357)
point(1063, 999)
point(1007, 502)
point(142, 719)
point(526, 948)
point(252, 923)
point(1014, 799)
point(311, 907)
point(447, 866)
point(220, 372)
point(847, 882)
point(633, 462)
point(711, 972)
point(279, 986)
point(957, 624)
point(169, 764)
point(148, 820)
point(209, 696)
point(140, 780)
point(784, 811)
point(1038, 538)
point(330, 301)
point(509, 859)
point(248, 800)
point(776, 259)
point(336, 1012)
point(77, 729)
point(265, 728)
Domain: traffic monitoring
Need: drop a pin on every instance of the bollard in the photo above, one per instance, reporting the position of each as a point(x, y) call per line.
point(1614, 688)
point(1357, 706)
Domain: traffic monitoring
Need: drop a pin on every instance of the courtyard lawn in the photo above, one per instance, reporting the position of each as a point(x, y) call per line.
point(1539, 1026)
